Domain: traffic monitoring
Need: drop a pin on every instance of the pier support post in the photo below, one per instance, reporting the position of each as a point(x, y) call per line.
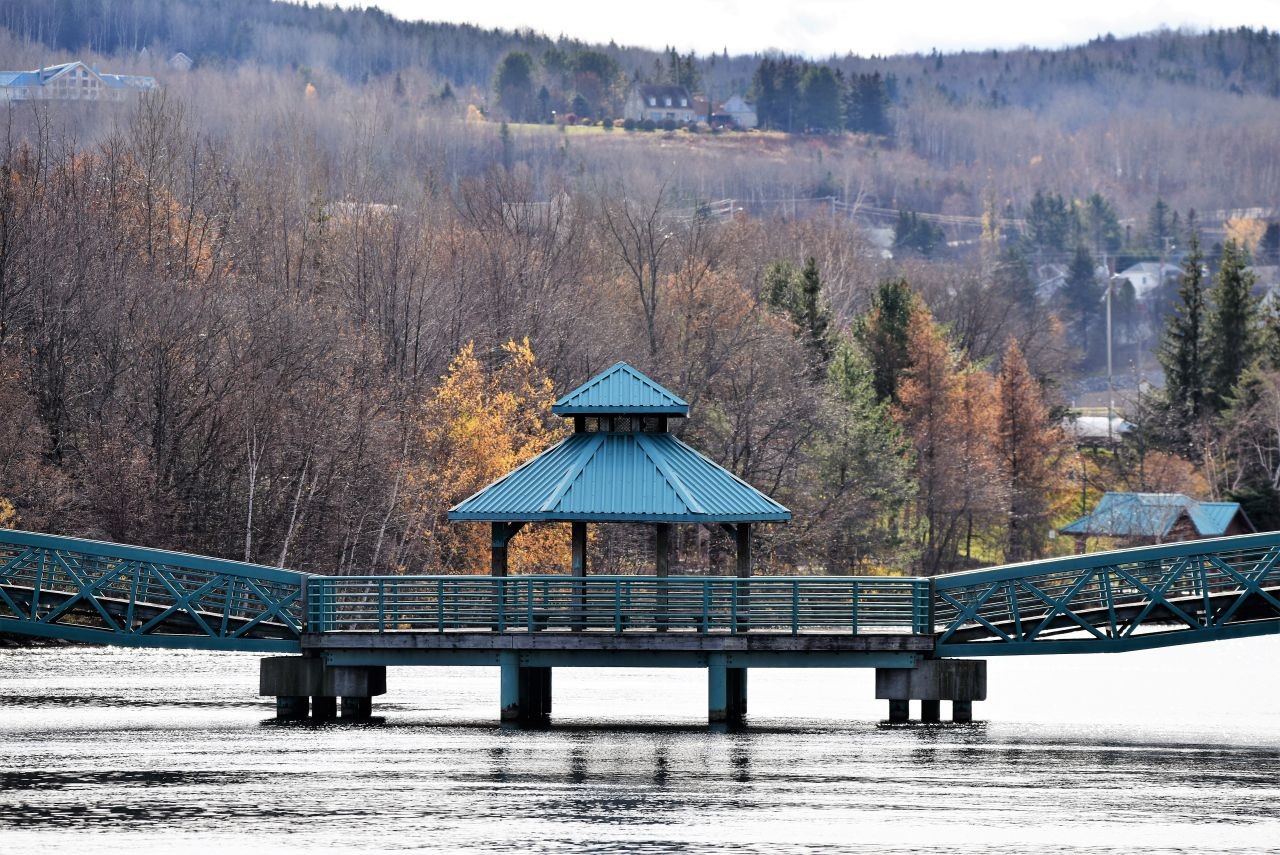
point(291, 707)
point(294, 679)
point(525, 691)
point(726, 691)
point(324, 708)
point(961, 681)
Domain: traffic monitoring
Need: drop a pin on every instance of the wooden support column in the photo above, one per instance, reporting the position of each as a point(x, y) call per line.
point(579, 535)
point(579, 571)
point(743, 534)
point(662, 565)
point(662, 549)
point(502, 534)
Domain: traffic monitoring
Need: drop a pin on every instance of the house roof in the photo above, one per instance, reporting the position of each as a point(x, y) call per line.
point(42, 76)
point(661, 91)
point(621, 389)
point(620, 477)
point(1154, 515)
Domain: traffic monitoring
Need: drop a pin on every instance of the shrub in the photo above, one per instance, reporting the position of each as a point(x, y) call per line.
point(668, 124)
point(628, 124)
point(648, 125)
point(607, 124)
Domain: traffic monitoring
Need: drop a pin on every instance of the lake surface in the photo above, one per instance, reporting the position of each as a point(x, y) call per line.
point(106, 750)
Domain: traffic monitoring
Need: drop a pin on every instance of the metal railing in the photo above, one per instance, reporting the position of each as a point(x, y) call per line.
point(1127, 599)
point(110, 593)
point(618, 604)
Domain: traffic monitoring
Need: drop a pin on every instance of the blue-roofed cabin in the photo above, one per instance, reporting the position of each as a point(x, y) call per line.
point(621, 464)
point(1138, 518)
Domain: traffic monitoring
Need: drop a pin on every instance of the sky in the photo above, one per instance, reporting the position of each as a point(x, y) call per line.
point(820, 28)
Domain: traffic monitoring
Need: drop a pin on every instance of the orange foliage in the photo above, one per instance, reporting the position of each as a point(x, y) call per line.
point(477, 427)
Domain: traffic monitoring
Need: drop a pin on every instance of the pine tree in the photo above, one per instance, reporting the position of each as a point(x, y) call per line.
point(799, 295)
point(1029, 444)
point(1182, 352)
point(1082, 295)
point(1232, 330)
point(883, 333)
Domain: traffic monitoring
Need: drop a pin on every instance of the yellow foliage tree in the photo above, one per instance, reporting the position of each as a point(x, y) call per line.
point(477, 427)
point(8, 514)
point(1246, 231)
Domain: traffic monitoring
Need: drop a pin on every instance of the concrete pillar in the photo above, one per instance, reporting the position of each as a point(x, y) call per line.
point(290, 678)
point(357, 708)
point(899, 710)
point(525, 692)
point(726, 691)
point(961, 681)
point(324, 708)
point(291, 707)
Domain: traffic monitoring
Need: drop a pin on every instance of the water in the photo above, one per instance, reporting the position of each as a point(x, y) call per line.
point(139, 751)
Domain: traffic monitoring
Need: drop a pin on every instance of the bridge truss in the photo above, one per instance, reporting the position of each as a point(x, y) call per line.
point(84, 590)
point(1129, 599)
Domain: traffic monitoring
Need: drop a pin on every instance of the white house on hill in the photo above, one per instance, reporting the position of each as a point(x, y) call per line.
point(742, 113)
point(659, 103)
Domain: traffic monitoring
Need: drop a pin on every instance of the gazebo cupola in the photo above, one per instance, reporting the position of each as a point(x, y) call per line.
point(620, 465)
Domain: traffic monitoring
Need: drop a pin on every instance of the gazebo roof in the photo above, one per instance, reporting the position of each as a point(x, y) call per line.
point(621, 389)
point(620, 477)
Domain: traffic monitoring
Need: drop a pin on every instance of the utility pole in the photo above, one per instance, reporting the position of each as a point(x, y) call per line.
point(1111, 386)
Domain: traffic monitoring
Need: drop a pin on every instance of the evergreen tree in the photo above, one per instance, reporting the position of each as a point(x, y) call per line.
point(1049, 222)
point(799, 294)
point(867, 105)
point(860, 464)
point(1082, 295)
point(1012, 279)
point(823, 99)
point(1182, 352)
point(1101, 226)
point(917, 234)
point(514, 84)
point(882, 332)
point(1232, 331)
point(1158, 225)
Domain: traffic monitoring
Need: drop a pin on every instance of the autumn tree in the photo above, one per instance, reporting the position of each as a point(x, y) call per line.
point(945, 406)
point(1030, 446)
point(477, 426)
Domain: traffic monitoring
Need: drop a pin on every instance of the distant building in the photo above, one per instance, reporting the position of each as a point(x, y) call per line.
point(1147, 276)
point(739, 112)
point(71, 81)
point(659, 103)
point(180, 62)
point(1158, 518)
point(1094, 431)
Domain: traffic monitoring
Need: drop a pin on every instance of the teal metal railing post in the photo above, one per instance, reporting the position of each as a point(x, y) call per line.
point(382, 605)
point(795, 606)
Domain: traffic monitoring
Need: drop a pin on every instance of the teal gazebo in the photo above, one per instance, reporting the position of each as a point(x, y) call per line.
point(620, 465)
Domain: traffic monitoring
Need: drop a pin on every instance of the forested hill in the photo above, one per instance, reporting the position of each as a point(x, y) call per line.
point(359, 44)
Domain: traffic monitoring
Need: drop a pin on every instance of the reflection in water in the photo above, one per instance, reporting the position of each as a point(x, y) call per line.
point(109, 751)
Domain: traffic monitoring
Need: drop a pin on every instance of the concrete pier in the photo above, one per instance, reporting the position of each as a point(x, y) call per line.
point(525, 691)
point(294, 679)
point(961, 681)
point(726, 691)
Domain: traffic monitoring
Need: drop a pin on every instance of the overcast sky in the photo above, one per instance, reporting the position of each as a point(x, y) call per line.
point(823, 27)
